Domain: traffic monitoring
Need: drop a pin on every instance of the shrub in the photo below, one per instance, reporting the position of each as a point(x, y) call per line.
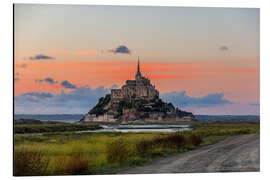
point(76, 164)
point(195, 139)
point(29, 163)
point(143, 147)
point(117, 152)
point(174, 141)
point(151, 148)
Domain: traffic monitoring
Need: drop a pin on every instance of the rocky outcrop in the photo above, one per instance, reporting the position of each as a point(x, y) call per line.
point(135, 110)
point(137, 100)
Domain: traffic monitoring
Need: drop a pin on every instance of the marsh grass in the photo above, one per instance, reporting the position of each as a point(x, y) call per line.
point(160, 145)
point(144, 147)
point(30, 163)
point(118, 152)
point(194, 139)
point(77, 164)
point(59, 165)
point(104, 153)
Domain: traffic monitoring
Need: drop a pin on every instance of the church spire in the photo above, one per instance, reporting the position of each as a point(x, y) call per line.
point(138, 69)
point(138, 74)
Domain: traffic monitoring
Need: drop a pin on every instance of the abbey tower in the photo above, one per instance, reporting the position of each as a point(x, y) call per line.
point(140, 88)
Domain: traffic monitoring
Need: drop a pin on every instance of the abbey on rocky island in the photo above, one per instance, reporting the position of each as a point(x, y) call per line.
point(140, 88)
point(136, 101)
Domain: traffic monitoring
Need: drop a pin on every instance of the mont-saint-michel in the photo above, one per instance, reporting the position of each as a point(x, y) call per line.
point(85, 104)
point(136, 101)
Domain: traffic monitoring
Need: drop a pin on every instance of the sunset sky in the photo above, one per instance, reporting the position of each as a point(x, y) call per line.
point(204, 60)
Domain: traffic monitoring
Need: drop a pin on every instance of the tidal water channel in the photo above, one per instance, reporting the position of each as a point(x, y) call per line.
point(140, 128)
point(131, 128)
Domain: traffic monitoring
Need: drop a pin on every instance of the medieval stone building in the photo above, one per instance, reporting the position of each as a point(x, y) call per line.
point(140, 88)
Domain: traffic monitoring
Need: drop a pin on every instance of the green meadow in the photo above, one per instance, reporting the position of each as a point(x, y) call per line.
point(69, 153)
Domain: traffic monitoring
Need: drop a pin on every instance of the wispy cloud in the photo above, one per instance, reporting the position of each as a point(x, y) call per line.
point(68, 85)
point(223, 48)
point(40, 57)
point(48, 80)
point(38, 95)
point(79, 100)
point(181, 99)
point(122, 49)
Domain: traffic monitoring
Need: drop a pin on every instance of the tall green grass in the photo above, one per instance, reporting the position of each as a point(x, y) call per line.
point(118, 152)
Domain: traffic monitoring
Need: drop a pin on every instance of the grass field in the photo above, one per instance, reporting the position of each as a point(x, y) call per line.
point(104, 153)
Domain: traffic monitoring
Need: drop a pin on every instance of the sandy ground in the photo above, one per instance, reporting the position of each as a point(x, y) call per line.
point(234, 154)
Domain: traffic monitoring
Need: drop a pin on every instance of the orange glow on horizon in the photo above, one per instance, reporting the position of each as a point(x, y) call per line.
point(166, 76)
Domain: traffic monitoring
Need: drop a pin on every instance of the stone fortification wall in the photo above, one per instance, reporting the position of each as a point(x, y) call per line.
point(117, 94)
point(140, 88)
point(101, 118)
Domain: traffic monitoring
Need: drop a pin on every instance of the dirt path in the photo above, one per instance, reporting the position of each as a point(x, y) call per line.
point(237, 153)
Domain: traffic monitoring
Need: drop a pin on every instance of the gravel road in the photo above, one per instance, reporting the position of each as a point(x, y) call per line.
point(234, 154)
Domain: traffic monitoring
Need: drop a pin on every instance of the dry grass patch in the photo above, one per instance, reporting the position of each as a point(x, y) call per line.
point(194, 139)
point(29, 163)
